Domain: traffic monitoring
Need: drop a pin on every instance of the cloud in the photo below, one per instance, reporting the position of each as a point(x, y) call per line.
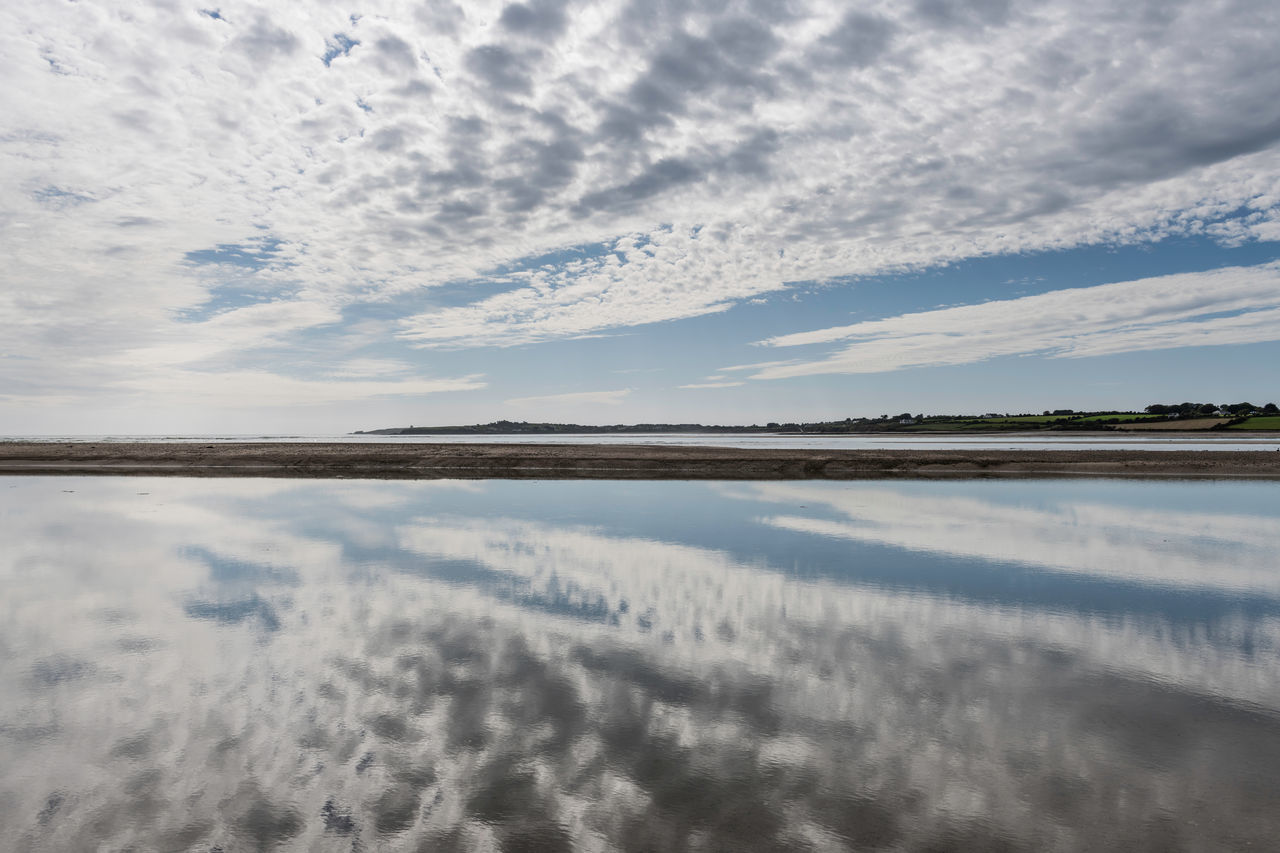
point(544, 19)
point(1165, 548)
point(858, 41)
point(755, 366)
point(714, 381)
point(366, 368)
point(603, 398)
point(258, 389)
point(797, 691)
point(695, 386)
point(501, 68)
point(264, 43)
point(705, 154)
point(1235, 305)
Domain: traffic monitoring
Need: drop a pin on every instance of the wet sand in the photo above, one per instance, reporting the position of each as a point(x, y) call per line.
point(640, 462)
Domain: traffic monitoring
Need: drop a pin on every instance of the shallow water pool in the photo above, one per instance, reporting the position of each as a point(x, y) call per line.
point(487, 665)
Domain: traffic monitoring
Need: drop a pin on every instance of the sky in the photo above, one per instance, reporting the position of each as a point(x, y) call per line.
point(320, 217)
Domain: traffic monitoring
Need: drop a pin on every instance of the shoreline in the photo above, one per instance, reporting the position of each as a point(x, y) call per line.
point(419, 461)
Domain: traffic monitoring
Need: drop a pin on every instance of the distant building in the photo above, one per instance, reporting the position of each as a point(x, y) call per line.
point(907, 421)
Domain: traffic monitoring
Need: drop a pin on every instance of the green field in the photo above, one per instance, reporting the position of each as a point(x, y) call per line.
point(946, 426)
point(1026, 422)
point(1031, 419)
point(1122, 417)
point(1260, 422)
point(1096, 421)
point(979, 424)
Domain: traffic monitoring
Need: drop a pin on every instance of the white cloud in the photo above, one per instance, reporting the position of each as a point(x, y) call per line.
point(1236, 305)
point(603, 398)
point(699, 385)
point(365, 368)
point(1164, 548)
point(712, 154)
point(759, 365)
point(257, 389)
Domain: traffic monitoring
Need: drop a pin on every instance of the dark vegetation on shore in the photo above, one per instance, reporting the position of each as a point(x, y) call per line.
point(1188, 416)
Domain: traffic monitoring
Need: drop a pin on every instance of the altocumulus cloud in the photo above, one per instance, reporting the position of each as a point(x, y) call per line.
point(1236, 305)
point(709, 152)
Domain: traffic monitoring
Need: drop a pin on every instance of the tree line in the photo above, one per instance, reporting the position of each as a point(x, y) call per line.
point(1188, 409)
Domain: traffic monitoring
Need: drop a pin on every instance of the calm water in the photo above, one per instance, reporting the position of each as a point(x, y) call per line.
point(525, 666)
point(1022, 441)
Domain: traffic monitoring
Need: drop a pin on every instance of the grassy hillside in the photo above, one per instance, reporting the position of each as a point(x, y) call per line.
point(1259, 422)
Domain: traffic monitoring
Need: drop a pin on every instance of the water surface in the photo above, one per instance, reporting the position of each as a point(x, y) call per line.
point(486, 665)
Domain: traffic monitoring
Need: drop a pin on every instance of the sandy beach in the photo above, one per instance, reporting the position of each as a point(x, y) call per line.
point(562, 461)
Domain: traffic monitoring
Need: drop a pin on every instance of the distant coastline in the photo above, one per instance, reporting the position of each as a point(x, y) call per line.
point(1182, 418)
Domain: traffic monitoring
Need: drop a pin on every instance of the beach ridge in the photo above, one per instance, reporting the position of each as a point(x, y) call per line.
point(585, 461)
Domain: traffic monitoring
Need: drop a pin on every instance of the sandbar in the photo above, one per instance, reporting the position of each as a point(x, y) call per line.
point(615, 462)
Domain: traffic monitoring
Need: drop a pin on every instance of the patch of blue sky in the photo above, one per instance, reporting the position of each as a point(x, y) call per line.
point(59, 197)
point(1205, 316)
point(252, 255)
point(230, 271)
point(802, 306)
point(390, 309)
point(558, 258)
point(226, 296)
point(500, 279)
point(807, 305)
point(54, 65)
point(656, 359)
point(339, 45)
point(1032, 383)
point(216, 14)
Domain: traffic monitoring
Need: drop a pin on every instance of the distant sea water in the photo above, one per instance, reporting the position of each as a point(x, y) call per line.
point(1016, 441)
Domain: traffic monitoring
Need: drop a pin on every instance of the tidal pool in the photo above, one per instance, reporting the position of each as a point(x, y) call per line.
point(252, 665)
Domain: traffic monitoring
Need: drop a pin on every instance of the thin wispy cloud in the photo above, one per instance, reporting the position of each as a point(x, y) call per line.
point(1237, 305)
point(248, 388)
point(759, 365)
point(695, 386)
point(594, 398)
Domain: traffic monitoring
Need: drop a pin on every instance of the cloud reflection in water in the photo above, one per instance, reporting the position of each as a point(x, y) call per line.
point(639, 666)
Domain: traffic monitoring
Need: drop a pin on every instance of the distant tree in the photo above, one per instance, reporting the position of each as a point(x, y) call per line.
point(1270, 409)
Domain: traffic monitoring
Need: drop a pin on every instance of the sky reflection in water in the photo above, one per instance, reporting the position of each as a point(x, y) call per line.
point(245, 665)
